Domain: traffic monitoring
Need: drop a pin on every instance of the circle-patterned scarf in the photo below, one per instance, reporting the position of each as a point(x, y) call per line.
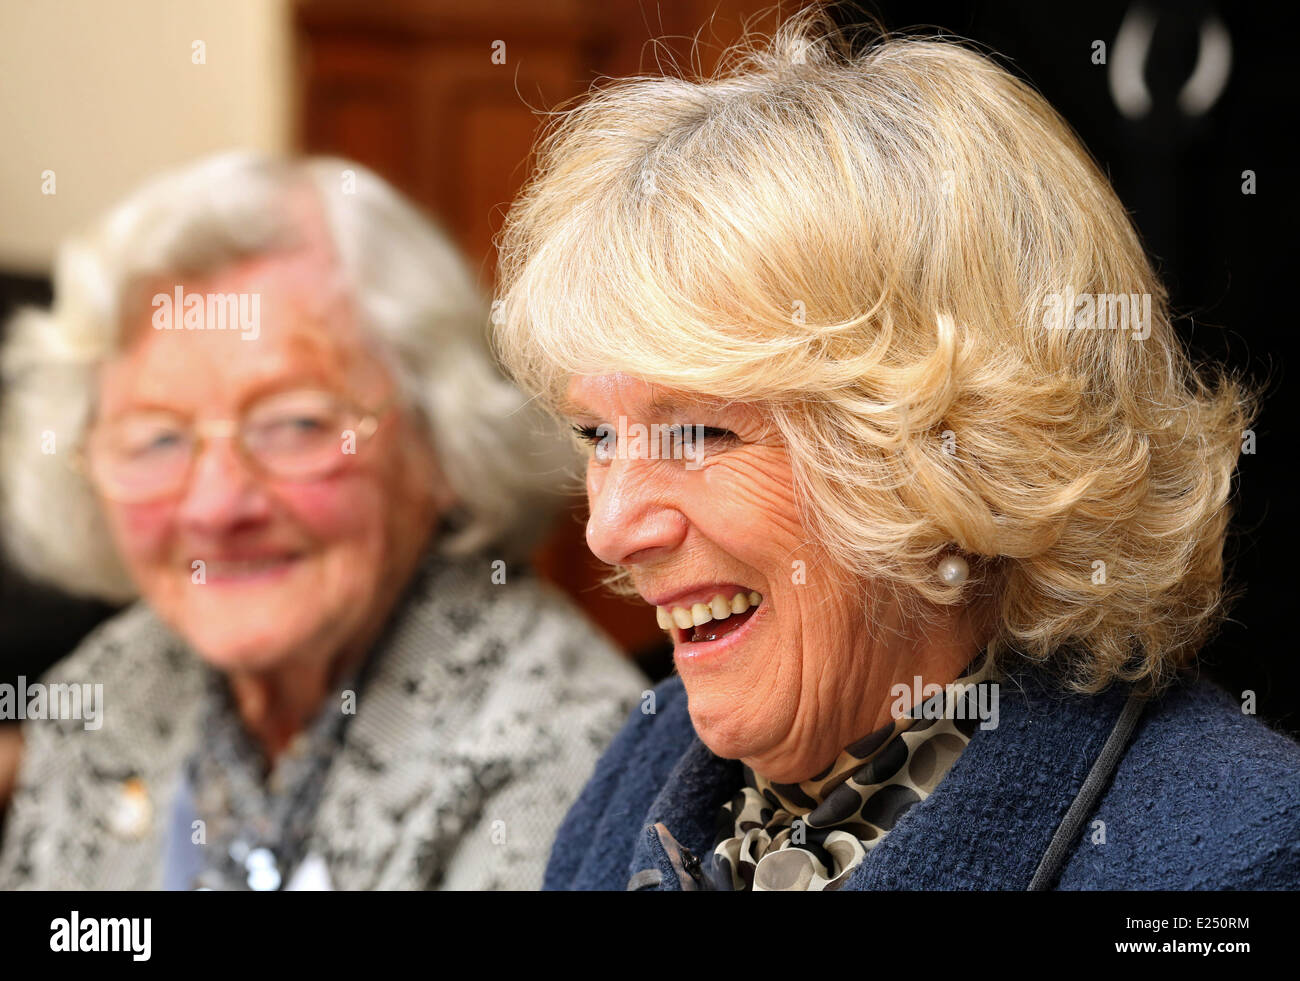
point(812, 835)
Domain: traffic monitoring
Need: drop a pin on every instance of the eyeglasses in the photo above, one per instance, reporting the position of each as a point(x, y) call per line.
point(299, 435)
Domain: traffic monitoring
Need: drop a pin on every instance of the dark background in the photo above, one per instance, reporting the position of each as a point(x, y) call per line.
point(1224, 255)
point(371, 78)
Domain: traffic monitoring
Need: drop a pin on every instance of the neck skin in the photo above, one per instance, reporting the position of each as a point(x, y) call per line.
point(277, 704)
point(939, 655)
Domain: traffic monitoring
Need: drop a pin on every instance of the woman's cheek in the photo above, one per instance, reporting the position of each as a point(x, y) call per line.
point(334, 509)
point(753, 494)
point(143, 531)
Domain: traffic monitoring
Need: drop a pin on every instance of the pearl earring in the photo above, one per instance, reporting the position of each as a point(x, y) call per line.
point(953, 570)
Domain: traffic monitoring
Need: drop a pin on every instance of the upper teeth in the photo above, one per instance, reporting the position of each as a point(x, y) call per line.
point(719, 608)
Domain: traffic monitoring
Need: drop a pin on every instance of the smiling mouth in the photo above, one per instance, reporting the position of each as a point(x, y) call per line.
point(235, 570)
point(704, 622)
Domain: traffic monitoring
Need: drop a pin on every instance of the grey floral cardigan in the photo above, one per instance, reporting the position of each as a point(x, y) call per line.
point(482, 716)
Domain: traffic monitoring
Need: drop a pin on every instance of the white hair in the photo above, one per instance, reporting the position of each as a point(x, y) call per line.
point(414, 297)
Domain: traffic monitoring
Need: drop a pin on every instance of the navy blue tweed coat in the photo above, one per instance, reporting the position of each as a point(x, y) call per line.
point(1204, 797)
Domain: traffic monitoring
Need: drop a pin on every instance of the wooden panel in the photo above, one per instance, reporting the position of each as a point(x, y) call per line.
point(359, 103)
point(409, 88)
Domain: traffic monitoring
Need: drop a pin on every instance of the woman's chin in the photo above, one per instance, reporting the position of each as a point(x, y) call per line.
point(255, 652)
point(727, 732)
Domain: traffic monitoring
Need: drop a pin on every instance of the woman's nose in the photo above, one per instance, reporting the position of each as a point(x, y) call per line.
point(223, 492)
point(633, 518)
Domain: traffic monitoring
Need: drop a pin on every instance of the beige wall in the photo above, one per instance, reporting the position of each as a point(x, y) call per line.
point(105, 92)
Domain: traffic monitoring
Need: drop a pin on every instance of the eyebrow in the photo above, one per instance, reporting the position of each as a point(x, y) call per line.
point(306, 380)
point(666, 405)
point(567, 407)
point(659, 405)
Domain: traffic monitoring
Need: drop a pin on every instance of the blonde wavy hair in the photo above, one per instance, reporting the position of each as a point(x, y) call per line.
point(865, 243)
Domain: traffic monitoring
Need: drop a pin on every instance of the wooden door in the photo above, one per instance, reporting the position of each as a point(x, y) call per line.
point(444, 98)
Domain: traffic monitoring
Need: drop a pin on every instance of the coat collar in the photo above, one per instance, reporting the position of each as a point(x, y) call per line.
point(986, 825)
point(414, 768)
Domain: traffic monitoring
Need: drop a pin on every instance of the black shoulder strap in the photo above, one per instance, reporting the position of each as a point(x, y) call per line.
point(1049, 868)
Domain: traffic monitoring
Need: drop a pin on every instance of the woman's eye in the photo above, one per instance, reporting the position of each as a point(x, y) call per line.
point(654, 442)
point(289, 432)
point(700, 442)
point(600, 439)
point(306, 424)
point(712, 432)
point(156, 443)
point(149, 442)
point(588, 434)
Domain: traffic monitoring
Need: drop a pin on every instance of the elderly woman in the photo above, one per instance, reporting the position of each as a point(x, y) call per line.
point(290, 444)
point(822, 320)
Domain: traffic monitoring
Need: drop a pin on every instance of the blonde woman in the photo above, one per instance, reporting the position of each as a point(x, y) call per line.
point(262, 406)
point(890, 423)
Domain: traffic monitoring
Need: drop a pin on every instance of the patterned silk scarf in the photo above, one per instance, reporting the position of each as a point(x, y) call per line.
point(257, 820)
point(812, 835)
